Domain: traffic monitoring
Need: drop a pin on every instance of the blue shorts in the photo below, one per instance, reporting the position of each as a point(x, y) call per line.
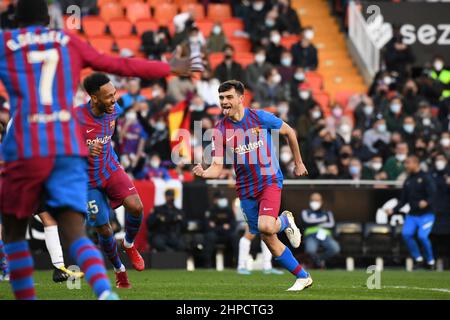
point(62, 181)
point(98, 208)
point(267, 203)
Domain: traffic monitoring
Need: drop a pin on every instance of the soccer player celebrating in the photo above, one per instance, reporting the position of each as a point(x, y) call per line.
point(107, 178)
point(248, 134)
point(43, 147)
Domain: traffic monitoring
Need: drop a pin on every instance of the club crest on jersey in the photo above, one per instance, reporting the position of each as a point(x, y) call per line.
point(255, 130)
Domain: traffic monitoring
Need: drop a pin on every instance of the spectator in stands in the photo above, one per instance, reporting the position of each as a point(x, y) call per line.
point(221, 223)
point(444, 114)
point(88, 7)
point(197, 107)
point(286, 69)
point(428, 125)
point(297, 79)
point(355, 169)
point(304, 52)
point(153, 169)
point(289, 21)
point(133, 94)
point(441, 76)
point(307, 123)
point(161, 102)
point(377, 138)
point(255, 72)
point(217, 39)
point(259, 33)
point(271, 90)
point(229, 69)
point(274, 49)
point(156, 43)
point(409, 132)
point(360, 150)
point(394, 166)
point(419, 191)
point(183, 23)
point(411, 98)
point(331, 171)
point(158, 133)
point(372, 169)
point(422, 151)
point(180, 88)
point(365, 114)
point(207, 88)
point(444, 143)
point(7, 16)
point(441, 177)
point(301, 101)
point(166, 226)
point(398, 56)
point(318, 224)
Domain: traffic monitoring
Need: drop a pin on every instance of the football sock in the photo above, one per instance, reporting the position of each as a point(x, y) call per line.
point(54, 246)
point(109, 246)
point(3, 262)
point(244, 251)
point(21, 270)
point(91, 262)
point(267, 256)
point(284, 222)
point(288, 261)
point(132, 224)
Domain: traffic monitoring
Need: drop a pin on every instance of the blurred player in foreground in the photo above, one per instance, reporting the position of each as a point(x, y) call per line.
point(248, 134)
point(44, 152)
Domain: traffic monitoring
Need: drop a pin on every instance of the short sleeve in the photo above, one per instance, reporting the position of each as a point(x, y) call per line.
point(119, 110)
point(269, 120)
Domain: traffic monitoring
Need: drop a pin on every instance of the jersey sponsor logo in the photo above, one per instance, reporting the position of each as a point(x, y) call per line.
point(102, 140)
point(63, 116)
point(30, 38)
point(246, 148)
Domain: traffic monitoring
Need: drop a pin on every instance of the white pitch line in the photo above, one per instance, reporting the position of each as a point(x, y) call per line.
point(418, 288)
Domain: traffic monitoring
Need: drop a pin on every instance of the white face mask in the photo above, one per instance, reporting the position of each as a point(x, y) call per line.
point(354, 170)
point(316, 114)
point(445, 142)
point(299, 76)
point(381, 128)
point(396, 108)
point(260, 58)
point(346, 128)
point(309, 34)
point(276, 38)
point(368, 110)
point(131, 116)
point(277, 78)
point(400, 157)
point(315, 205)
point(155, 164)
point(337, 112)
point(377, 166)
point(408, 127)
point(387, 80)
point(438, 65)
point(216, 30)
point(304, 95)
point(222, 202)
point(285, 157)
point(283, 109)
point(440, 165)
point(160, 126)
point(258, 6)
point(156, 93)
point(287, 62)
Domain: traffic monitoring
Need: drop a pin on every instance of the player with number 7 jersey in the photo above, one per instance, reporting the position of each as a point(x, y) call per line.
point(44, 152)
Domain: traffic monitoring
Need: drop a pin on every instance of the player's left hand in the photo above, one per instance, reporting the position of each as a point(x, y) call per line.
point(300, 170)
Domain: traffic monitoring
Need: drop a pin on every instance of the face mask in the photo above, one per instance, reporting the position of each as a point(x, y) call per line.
point(193, 39)
point(287, 62)
point(337, 112)
point(438, 65)
point(377, 166)
point(445, 142)
point(309, 34)
point(258, 6)
point(260, 58)
point(194, 107)
point(395, 107)
point(155, 164)
point(216, 30)
point(382, 128)
point(368, 110)
point(300, 76)
point(440, 164)
point(426, 122)
point(222, 203)
point(156, 93)
point(285, 157)
point(160, 126)
point(277, 78)
point(346, 128)
point(315, 205)
point(316, 114)
point(409, 128)
point(400, 157)
point(283, 109)
point(354, 170)
point(276, 38)
point(387, 80)
point(304, 95)
point(131, 116)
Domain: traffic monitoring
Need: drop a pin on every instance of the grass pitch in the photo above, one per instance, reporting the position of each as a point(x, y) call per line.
point(207, 285)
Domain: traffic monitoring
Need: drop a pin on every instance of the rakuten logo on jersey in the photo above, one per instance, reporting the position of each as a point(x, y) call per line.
point(102, 140)
point(426, 34)
point(246, 148)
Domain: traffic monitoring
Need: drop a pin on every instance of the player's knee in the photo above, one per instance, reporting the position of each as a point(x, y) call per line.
point(422, 237)
point(136, 208)
point(266, 227)
point(407, 234)
point(105, 230)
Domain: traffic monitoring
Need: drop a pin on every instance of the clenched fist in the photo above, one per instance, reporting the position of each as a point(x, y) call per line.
point(198, 170)
point(300, 170)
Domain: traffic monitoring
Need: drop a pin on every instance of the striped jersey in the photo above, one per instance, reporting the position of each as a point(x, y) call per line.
point(40, 69)
point(250, 145)
point(99, 130)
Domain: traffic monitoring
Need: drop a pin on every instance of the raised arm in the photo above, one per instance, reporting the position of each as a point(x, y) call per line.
point(212, 172)
point(291, 137)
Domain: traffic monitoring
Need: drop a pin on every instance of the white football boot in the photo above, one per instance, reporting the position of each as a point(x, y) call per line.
point(292, 231)
point(301, 284)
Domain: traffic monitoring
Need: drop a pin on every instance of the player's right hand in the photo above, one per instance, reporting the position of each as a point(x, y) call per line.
point(198, 170)
point(95, 149)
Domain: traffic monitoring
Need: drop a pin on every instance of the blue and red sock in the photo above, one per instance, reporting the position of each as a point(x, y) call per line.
point(3, 261)
point(132, 224)
point(21, 270)
point(284, 222)
point(109, 246)
point(288, 261)
point(91, 263)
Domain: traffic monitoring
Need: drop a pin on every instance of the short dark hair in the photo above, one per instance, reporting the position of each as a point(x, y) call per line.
point(230, 84)
point(32, 12)
point(94, 81)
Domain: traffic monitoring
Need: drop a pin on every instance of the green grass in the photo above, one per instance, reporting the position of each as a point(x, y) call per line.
point(174, 284)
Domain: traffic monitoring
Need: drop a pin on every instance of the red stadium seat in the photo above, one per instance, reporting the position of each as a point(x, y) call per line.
point(111, 10)
point(342, 97)
point(164, 13)
point(230, 26)
point(219, 11)
point(315, 80)
point(183, 2)
point(155, 3)
point(102, 2)
point(248, 97)
point(197, 8)
point(103, 44)
point(146, 25)
point(131, 42)
point(205, 26)
point(215, 59)
point(245, 58)
point(124, 3)
point(93, 26)
point(137, 11)
point(240, 44)
point(289, 41)
point(323, 99)
point(120, 27)
point(147, 93)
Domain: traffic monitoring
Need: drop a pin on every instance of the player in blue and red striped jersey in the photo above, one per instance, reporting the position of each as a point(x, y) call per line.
point(107, 178)
point(249, 135)
point(44, 152)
